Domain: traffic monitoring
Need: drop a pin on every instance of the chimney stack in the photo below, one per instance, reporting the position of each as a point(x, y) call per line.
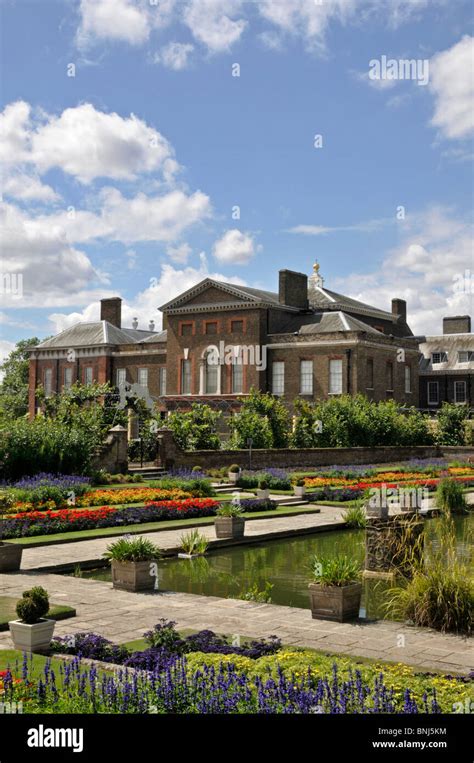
point(111, 311)
point(399, 308)
point(457, 324)
point(293, 289)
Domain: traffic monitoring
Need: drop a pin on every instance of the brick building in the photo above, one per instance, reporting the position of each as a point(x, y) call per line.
point(447, 365)
point(219, 340)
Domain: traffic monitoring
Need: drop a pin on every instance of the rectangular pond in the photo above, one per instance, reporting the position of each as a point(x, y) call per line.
point(285, 563)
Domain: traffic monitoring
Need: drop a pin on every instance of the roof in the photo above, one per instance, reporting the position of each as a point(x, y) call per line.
point(331, 300)
point(95, 334)
point(450, 344)
point(245, 293)
point(326, 323)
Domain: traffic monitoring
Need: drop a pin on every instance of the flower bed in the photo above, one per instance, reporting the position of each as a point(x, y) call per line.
point(70, 520)
point(107, 498)
point(257, 504)
point(388, 480)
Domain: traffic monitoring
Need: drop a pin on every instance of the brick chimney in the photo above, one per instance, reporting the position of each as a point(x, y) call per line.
point(111, 311)
point(457, 324)
point(293, 289)
point(399, 309)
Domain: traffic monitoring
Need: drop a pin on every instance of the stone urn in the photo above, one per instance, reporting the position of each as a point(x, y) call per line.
point(35, 637)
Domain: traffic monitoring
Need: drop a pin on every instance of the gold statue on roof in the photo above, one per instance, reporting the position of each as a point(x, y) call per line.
point(316, 267)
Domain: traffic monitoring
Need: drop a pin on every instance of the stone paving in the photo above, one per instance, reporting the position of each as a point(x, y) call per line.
point(123, 616)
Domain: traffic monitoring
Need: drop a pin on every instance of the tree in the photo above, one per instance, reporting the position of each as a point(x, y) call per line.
point(451, 424)
point(274, 428)
point(195, 429)
point(14, 385)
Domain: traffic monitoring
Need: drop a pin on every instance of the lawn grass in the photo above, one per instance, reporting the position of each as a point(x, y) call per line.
point(8, 612)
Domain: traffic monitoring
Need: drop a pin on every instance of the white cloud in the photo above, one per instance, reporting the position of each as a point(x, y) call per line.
point(175, 55)
point(213, 23)
point(87, 144)
point(425, 269)
point(179, 254)
point(235, 247)
point(121, 20)
point(321, 230)
point(167, 284)
point(27, 187)
point(452, 83)
point(6, 348)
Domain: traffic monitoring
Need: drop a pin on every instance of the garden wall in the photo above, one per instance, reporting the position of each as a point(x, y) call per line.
point(170, 456)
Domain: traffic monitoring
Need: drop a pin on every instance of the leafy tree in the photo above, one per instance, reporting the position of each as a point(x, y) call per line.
point(14, 384)
point(267, 408)
point(451, 424)
point(195, 429)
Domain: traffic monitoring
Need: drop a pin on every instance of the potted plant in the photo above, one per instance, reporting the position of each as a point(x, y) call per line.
point(336, 590)
point(299, 487)
point(10, 553)
point(229, 523)
point(233, 473)
point(192, 544)
point(263, 490)
point(32, 632)
point(133, 563)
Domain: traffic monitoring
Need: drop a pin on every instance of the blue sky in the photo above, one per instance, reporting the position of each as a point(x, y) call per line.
point(124, 178)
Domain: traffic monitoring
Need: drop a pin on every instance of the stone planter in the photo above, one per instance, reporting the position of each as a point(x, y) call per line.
point(32, 638)
point(229, 527)
point(263, 493)
point(299, 490)
point(10, 557)
point(233, 477)
point(338, 603)
point(133, 576)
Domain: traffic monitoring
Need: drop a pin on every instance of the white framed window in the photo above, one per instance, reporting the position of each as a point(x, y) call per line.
point(439, 357)
point(464, 356)
point(48, 381)
point(306, 377)
point(88, 378)
point(433, 393)
point(335, 377)
point(389, 372)
point(162, 381)
point(121, 376)
point(67, 378)
point(459, 391)
point(278, 377)
point(211, 375)
point(237, 378)
point(407, 378)
point(143, 377)
point(185, 377)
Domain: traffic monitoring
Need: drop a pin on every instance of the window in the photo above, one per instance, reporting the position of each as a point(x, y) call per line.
point(67, 377)
point(306, 377)
point(143, 377)
point(439, 357)
point(186, 329)
point(185, 377)
point(389, 376)
point(433, 393)
point(335, 377)
point(464, 356)
point(237, 377)
point(407, 378)
point(47, 381)
point(278, 378)
point(88, 375)
point(211, 374)
point(379, 328)
point(460, 392)
point(237, 327)
point(370, 373)
point(162, 381)
point(121, 376)
point(210, 327)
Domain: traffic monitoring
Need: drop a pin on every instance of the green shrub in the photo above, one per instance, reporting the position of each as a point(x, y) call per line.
point(200, 487)
point(228, 509)
point(450, 497)
point(129, 549)
point(262, 417)
point(451, 424)
point(193, 542)
point(234, 469)
point(355, 516)
point(263, 484)
point(337, 570)
point(33, 605)
point(195, 429)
